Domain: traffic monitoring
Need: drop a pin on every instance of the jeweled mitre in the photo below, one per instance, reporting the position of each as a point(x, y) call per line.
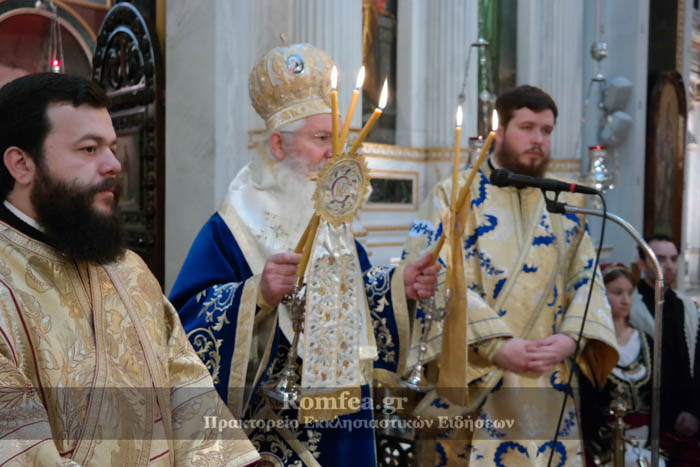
point(291, 82)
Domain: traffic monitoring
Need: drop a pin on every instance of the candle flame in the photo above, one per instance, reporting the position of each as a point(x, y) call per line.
point(360, 78)
point(385, 95)
point(459, 116)
point(494, 121)
point(334, 78)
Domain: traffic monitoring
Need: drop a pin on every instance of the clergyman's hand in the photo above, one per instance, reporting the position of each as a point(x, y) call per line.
point(420, 278)
point(514, 355)
point(278, 277)
point(548, 352)
point(686, 424)
point(534, 356)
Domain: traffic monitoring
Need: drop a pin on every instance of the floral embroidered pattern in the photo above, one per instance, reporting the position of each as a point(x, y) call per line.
point(332, 324)
point(377, 287)
point(216, 301)
point(207, 347)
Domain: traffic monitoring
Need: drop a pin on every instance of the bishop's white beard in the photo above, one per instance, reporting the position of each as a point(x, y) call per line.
point(272, 204)
point(292, 191)
point(292, 176)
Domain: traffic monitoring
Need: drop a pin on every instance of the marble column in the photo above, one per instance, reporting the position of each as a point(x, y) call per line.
point(412, 37)
point(550, 56)
point(689, 266)
point(452, 27)
point(207, 117)
point(336, 27)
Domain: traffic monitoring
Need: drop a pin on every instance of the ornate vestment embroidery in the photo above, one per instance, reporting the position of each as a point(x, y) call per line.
point(216, 301)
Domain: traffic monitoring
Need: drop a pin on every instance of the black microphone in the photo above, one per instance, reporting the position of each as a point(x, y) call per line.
point(504, 177)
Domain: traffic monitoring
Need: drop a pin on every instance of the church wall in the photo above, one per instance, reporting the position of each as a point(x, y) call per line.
point(190, 128)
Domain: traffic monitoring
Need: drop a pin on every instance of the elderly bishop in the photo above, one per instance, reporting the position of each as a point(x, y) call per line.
point(241, 265)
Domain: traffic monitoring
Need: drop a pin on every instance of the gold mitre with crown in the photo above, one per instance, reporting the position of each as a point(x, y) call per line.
point(291, 82)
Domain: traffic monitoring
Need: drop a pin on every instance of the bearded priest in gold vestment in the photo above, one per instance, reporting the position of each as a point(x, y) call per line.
point(95, 368)
point(527, 273)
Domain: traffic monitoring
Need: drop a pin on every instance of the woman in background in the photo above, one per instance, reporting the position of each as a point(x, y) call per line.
point(632, 377)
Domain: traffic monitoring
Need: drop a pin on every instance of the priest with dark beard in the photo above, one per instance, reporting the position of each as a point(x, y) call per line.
point(95, 368)
point(527, 273)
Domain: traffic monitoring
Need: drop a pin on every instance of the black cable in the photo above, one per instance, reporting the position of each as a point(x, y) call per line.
point(580, 333)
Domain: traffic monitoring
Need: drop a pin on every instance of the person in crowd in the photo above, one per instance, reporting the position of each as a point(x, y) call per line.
point(679, 349)
point(629, 383)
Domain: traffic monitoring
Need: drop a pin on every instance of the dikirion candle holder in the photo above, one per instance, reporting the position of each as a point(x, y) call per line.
point(432, 313)
point(284, 388)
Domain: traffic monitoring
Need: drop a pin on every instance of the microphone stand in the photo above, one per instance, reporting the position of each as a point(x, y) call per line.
point(562, 208)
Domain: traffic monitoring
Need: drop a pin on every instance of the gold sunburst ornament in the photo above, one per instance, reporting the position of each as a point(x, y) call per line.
point(341, 188)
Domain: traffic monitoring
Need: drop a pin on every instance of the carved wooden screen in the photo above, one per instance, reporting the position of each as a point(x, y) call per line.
point(127, 64)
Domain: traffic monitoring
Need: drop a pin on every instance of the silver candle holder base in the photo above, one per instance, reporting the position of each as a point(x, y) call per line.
point(416, 380)
point(284, 388)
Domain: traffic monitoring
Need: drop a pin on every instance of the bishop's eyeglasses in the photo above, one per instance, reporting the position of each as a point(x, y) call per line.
point(321, 139)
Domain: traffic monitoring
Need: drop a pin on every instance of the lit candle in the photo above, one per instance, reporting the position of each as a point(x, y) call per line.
point(455, 187)
point(355, 95)
point(334, 107)
point(455, 159)
point(463, 194)
point(375, 115)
